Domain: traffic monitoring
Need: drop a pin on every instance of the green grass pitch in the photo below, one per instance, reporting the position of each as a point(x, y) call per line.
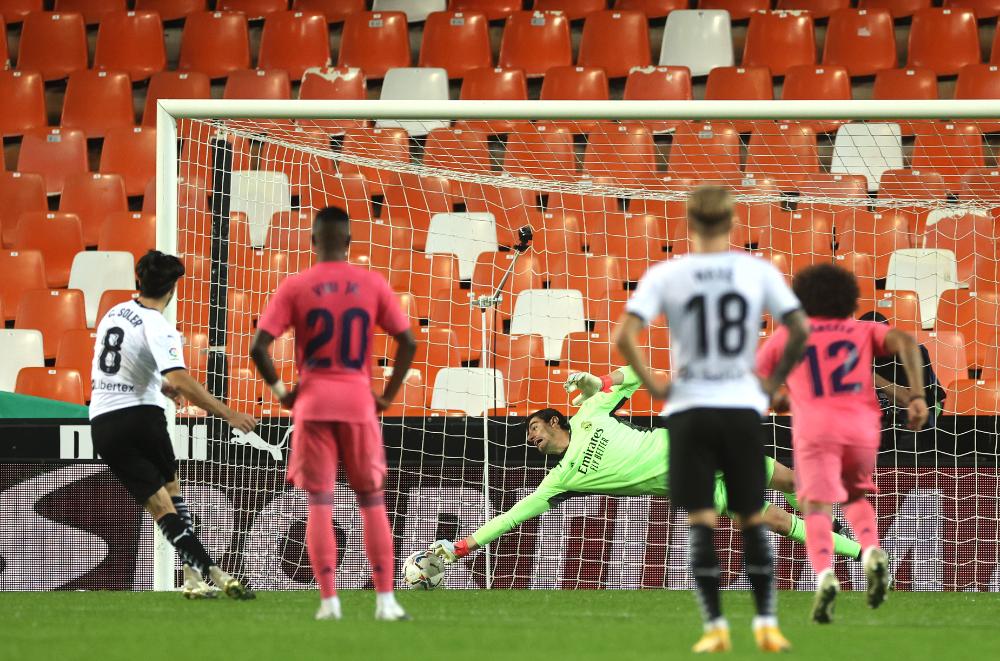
point(460, 625)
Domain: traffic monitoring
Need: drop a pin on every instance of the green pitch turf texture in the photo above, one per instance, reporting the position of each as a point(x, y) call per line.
point(464, 625)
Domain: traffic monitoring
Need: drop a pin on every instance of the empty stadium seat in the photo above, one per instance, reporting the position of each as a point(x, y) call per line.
point(908, 83)
point(540, 153)
point(98, 101)
point(21, 349)
point(334, 10)
point(898, 8)
point(173, 85)
point(551, 313)
point(529, 273)
point(811, 83)
point(862, 41)
point(947, 353)
point(437, 349)
point(254, 9)
point(414, 84)
point(875, 234)
point(412, 201)
point(494, 9)
point(652, 8)
point(20, 271)
point(640, 239)
point(24, 106)
point(535, 42)
point(468, 389)
point(54, 154)
point(698, 40)
point(93, 272)
point(390, 144)
point(51, 311)
point(294, 41)
point(980, 184)
point(598, 277)
point(130, 153)
point(91, 197)
point(375, 42)
point(949, 149)
point(739, 10)
point(625, 154)
point(705, 152)
point(76, 351)
point(575, 84)
point(900, 308)
point(738, 84)
point(258, 84)
point(53, 44)
point(20, 192)
point(818, 8)
point(93, 10)
point(422, 274)
point(574, 9)
point(784, 153)
point(112, 297)
point(929, 272)
point(658, 84)
point(128, 231)
point(62, 384)
point(416, 10)
point(867, 149)
point(215, 43)
point(132, 42)
point(259, 194)
point(57, 236)
point(969, 233)
point(460, 150)
point(14, 11)
point(943, 40)
point(456, 41)
point(912, 184)
point(979, 81)
point(494, 84)
point(976, 316)
point(973, 397)
point(779, 41)
point(171, 10)
point(465, 235)
point(616, 41)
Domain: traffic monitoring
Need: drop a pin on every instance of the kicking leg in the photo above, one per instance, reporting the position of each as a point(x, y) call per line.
point(195, 586)
point(819, 546)
point(861, 515)
point(794, 528)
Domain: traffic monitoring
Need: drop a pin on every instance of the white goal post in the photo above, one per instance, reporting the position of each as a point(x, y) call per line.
point(254, 117)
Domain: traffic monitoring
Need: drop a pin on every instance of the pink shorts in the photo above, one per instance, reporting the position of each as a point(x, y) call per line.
point(832, 472)
point(317, 446)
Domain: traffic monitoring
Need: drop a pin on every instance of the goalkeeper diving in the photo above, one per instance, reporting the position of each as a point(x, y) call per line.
point(603, 454)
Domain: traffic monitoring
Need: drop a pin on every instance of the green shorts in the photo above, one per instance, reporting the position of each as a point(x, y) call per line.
point(722, 498)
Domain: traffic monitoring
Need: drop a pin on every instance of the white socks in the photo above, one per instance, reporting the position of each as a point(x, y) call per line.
point(330, 605)
point(765, 621)
point(385, 599)
point(717, 623)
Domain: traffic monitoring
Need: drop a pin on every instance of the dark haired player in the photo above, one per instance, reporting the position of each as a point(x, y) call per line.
point(334, 307)
point(714, 298)
point(136, 351)
point(603, 454)
point(834, 461)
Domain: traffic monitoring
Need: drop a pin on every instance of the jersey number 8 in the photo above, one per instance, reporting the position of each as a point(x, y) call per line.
point(110, 360)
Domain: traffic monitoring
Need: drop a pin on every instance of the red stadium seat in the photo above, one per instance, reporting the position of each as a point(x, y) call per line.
point(128, 231)
point(512, 207)
point(93, 11)
point(54, 154)
point(61, 384)
point(516, 356)
point(809, 82)
point(615, 40)
point(254, 9)
point(981, 185)
point(626, 154)
point(131, 42)
point(971, 235)
point(112, 297)
point(950, 149)
point(898, 8)
point(375, 42)
point(390, 144)
point(705, 152)
point(258, 84)
point(589, 351)
point(530, 272)
point(14, 11)
point(336, 11)
point(541, 153)
point(979, 81)
point(652, 8)
point(588, 209)
point(98, 101)
point(53, 44)
point(171, 10)
point(818, 8)
point(785, 153)
point(976, 315)
point(20, 271)
point(973, 397)
point(920, 84)
point(173, 85)
point(739, 10)
point(414, 201)
point(344, 191)
point(535, 42)
point(421, 275)
point(456, 41)
point(92, 197)
point(294, 41)
point(862, 41)
point(76, 351)
point(779, 41)
point(739, 84)
point(24, 106)
point(575, 84)
point(57, 236)
point(459, 150)
point(20, 193)
point(574, 9)
point(943, 40)
point(754, 223)
point(658, 84)
point(875, 234)
point(215, 43)
point(53, 312)
point(948, 356)
point(597, 276)
point(451, 308)
point(807, 232)
point(982, 8)
point(900, 308)
point(638, 239)
point(494, 9)
point(132, 154)
point(489, 84)
point(912, 184)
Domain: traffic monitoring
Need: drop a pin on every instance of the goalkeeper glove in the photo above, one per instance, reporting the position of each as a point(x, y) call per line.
point(450, 551)
point(588, 385)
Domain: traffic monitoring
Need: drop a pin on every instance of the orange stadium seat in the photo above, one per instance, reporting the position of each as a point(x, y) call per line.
point(541, 153)
point(900, 308)
point(944, 40)
point(535, 42)
point(14, 11)
point(494, 84)
point(652, 8)
point(494, 9)
point(460, 150)
point(53, 312)
point(982, 8)
point(950, 149)
point(20, 193)
point(344, 191)
point(413, 201)
point(739, 10)
point(24, 107)
point(171, 10)
point(811, 82)
point(863, 268)
point(76, 351)
point(437, 348)
point(58, 383)
point(705, 152)
point(909, 83)
point(818, 8)
point(739, 84)
point(294, 41)
point(20, 271)
point(92, 197)
point(862, 41)
point(132, 154)
point(112, 297)
point(875, 234)
point(625, 154)
point(258, 84)
point(334, 83)
point(589, 351)
point(334, 10)
point(173, 85)
point(898, 8)
point(388, 144)
point(972, 237)
point(804, 232)
point(571, 84)
point(516, 355)
point(291, 231)
point(456, 41)
point(132, 42)
point(451, 308)
point(628, 237)
point(530, 272)
point(973, 397)
point(658, 84)
point(375, 42)
point(57, 236)
point(785, 153)
point(976, 315)
point(590, 209)
point(980, 184)
point(98, 101)
point(779, 41)
point(53, 44)
point(755, 222)
point(912, 184)
point(421, 275)
point(129, 231)
point(574, 9)
point(561, 232)
point(616, 41)
point(254, 9)
point(542, 388)
point(947, 353)
point(215, 43)
point(93, 11)
point(597, 276)
point(410, 401)
point(513, 208)
point(979, 81)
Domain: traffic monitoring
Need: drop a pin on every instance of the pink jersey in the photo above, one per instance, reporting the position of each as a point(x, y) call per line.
point(832, 390)
point(334, 308)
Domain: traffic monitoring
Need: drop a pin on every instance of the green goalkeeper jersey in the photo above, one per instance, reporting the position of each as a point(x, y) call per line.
point(606, 455)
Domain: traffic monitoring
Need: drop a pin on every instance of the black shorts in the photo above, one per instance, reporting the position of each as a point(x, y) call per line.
point(706, 440)
point(135, 444)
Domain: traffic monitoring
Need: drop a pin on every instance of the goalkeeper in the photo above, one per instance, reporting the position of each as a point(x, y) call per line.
point(602, 454)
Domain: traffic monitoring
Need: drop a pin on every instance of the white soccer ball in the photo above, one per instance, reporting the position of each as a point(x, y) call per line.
point(423, 570)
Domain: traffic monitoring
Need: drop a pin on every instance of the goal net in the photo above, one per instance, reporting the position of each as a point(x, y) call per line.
point(437, 195)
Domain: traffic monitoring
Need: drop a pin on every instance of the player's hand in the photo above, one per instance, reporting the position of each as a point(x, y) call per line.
point(588, 385)
point(769, 386)
point(917, 414)
point(381, 402)
point(288, 401)
point(444, 550)
point(660, 390)
point(245, 423)
point(780, 402)
point(173, 394)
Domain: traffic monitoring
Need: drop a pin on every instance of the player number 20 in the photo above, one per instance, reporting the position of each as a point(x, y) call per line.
point(321, 322)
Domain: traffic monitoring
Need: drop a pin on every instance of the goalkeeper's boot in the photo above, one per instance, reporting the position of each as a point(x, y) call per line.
point(391, 612)
point(876, 564)
point(827, 589)
point(769, 639)
point(195, 586)
point(231, 586)
point(714, 639)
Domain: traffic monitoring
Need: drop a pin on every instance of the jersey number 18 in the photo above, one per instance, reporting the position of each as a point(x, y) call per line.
point(731, 309)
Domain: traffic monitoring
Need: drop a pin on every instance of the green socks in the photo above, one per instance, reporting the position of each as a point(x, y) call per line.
point(841, 545)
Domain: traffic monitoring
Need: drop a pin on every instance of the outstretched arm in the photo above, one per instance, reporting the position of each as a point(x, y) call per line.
point(905, 346)
point(626, 335)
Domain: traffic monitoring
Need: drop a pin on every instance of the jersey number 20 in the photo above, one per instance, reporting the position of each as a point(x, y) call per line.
point(353, 320)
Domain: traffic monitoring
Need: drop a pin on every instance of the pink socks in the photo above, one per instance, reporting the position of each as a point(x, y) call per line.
point(322, 543)
point(378, 539)
point(819, 541)
point(861, 515)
